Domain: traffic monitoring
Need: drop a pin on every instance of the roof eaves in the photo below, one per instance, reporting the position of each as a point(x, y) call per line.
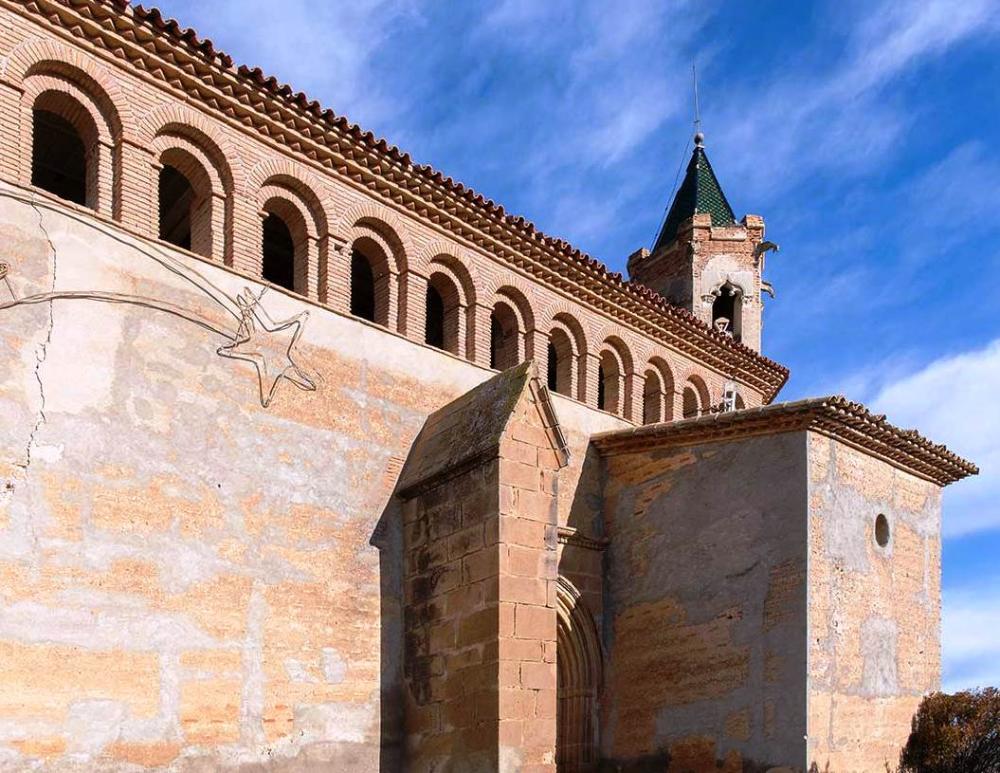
point(835, 416)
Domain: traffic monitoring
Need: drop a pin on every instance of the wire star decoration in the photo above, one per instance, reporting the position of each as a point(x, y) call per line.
point(268, 347)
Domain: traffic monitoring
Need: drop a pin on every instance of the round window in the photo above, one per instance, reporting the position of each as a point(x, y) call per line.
point(882, 530)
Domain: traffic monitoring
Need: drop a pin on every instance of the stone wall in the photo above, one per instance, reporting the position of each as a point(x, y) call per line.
point(480, 545)
point(190, 578)
point(452, 622)
point(756, 614)
point(874, 611)
point(705, 619)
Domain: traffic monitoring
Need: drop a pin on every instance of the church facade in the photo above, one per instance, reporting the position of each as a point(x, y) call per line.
point(312, 458)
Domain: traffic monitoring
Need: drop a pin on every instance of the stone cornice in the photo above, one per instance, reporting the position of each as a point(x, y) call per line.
point(837, 417)
point(160, 49)
point(567, 535)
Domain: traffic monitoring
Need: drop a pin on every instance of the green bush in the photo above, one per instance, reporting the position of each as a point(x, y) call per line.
point(957, 733)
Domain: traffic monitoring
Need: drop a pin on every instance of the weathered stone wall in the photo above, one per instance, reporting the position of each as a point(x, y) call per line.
point(706, 597)
point(480, 545)
point(452, 622)
point(752, 615)
point(874, 612)
point(189, 578)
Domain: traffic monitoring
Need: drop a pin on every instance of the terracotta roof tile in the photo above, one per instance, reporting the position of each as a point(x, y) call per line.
point(835, 416)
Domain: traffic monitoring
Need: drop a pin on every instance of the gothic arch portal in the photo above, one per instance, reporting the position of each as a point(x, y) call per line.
point(578, 664)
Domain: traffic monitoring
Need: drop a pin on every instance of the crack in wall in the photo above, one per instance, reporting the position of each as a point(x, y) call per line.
point(41, 351)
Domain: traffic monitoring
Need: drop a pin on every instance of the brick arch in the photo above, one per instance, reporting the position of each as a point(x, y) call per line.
point(164, 143)
point(561, 360)
point(564, 315)
point(176, 127)
point(376, 215)
point(459, 271)
point(83, 109)
point(695, 384)
point(274, 191)
point(283, 173)
point(443, 255)
point(615, 359)
point(517, 295)
point(209, 212)
point(276, 197)
point(380, 255)
point(46, 83)
point(180, 121)
point(385, 249)
point(621, 350)
point(517, 299)
point(34, 57)
point(377, 221)
point(658, 405)
point(562, 318)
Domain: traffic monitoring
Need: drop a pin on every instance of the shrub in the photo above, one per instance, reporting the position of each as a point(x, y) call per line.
point(957, 733)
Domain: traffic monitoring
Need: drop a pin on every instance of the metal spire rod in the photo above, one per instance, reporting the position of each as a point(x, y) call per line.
point(697, 110)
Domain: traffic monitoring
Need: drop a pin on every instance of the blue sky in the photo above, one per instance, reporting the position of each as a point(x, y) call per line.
point(866, 133)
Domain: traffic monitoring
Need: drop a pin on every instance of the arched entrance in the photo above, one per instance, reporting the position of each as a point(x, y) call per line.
point(578, 664)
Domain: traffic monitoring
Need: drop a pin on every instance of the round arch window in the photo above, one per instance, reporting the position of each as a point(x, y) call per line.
point(881, 530)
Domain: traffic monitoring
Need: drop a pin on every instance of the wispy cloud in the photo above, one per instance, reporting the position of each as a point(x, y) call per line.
point(954, 400)
point(898, 35)
point(325, 49)
point(840, 117)
point(969, 641)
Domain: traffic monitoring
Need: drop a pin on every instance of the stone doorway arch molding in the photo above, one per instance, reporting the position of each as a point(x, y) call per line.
point(579, 666)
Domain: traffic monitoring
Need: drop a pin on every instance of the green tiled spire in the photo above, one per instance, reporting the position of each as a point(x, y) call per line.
point(699, 193)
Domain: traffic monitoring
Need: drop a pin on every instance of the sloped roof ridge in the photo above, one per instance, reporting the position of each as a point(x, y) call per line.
point(833, 415)
point(203, 47)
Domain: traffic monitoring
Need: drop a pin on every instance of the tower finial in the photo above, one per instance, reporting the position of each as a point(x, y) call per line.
point(699, 137)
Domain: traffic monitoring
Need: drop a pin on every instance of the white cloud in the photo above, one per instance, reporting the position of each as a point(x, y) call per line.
point(323, 49)
point(969, 637)
point(955, 400)
point(842, 119)
point(901, 33)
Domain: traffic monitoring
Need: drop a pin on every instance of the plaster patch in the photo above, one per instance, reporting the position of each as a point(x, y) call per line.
point(80, 364)
point(299, 672)
point(252, 697)
point(333, 722)
point(334, 667)
point(510, 759)
point(96, 627)
point(846, 526)
point(878, 647)
point(92, 724)
point(47, 453)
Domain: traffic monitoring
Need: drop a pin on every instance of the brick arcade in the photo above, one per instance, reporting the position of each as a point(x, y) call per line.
point(316, 459)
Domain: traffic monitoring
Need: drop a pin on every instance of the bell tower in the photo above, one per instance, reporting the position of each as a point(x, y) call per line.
point(704, 260)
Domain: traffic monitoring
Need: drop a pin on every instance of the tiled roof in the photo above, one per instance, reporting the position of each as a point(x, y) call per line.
point(700, 193)
point(376, 157)
point(836, 417)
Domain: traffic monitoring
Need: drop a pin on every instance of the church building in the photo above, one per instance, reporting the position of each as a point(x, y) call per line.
point(313, 458)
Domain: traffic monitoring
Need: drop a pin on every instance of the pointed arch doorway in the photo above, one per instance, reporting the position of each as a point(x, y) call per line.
point(578, 666)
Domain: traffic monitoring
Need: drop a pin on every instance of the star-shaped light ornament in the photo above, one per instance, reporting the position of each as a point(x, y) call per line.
point(268, 347)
